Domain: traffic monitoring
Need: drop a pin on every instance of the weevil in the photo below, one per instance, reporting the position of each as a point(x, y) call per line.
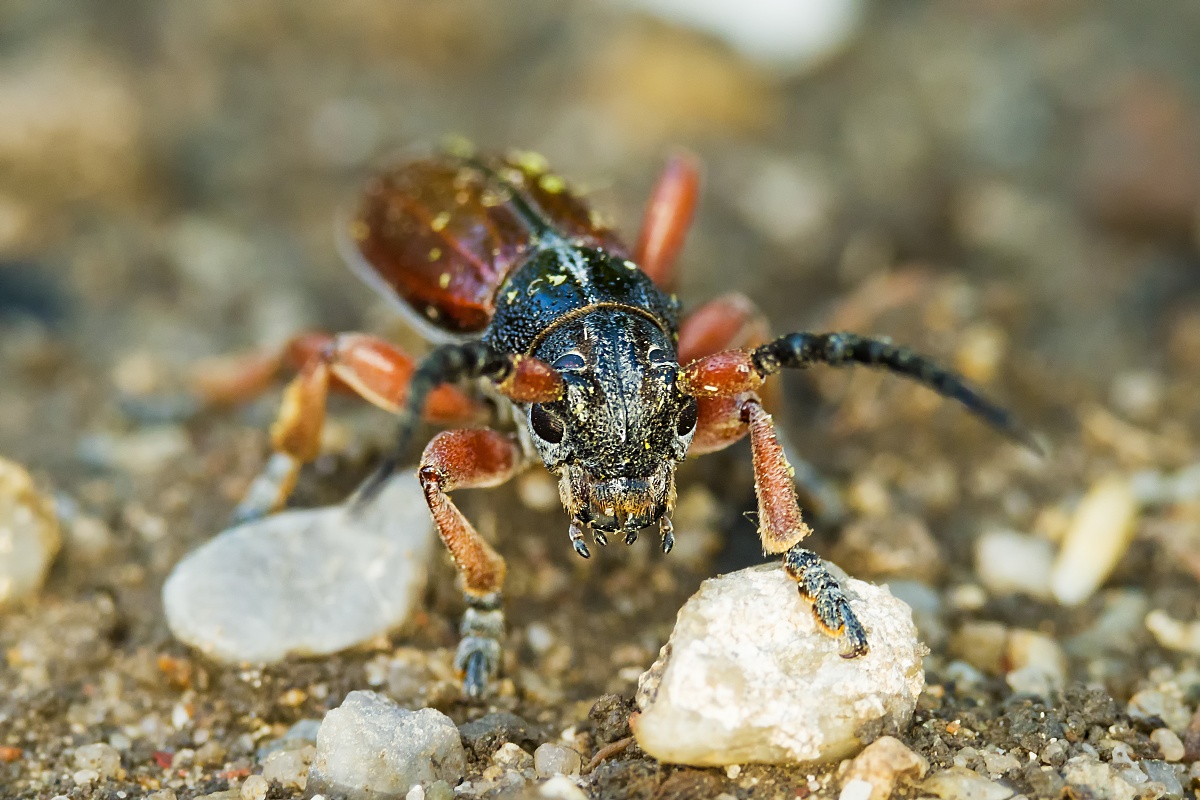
point(527, 292)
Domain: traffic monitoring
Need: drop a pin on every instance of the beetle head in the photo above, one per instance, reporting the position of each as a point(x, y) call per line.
point(622, 423)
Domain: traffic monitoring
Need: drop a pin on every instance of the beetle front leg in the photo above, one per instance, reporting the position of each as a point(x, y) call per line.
point(781, 530)
point(467, 459)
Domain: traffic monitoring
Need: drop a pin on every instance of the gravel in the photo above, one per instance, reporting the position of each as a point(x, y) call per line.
point(748, 677)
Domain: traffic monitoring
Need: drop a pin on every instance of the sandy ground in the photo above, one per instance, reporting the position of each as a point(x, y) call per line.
point(1012, 187)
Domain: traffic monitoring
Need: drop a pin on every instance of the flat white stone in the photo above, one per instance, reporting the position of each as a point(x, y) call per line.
point(747, 676)
point(304, 582)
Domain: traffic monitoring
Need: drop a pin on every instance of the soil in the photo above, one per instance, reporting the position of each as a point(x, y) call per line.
point(1012, 187)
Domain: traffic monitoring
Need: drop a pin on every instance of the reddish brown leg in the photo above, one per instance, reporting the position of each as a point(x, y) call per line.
point(667, 217)
point(781, 530)
point(376, 370)
point(467, 459)
point(727, 388)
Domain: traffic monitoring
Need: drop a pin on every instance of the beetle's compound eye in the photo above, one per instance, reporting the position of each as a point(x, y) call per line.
point(545, 423)
point(687, 418)
point(569, 361)
point(658, 356)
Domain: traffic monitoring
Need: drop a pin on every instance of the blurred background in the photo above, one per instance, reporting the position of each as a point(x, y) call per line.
point(1010, 185)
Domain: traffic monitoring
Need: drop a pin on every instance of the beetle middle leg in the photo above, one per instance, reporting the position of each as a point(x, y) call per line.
point(372, 368)
point(466, 459)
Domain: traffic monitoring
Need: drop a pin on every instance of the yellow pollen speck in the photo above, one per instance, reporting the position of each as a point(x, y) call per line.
point(647, 445)
point(511, 296)
point(533, 163)
point(708, 388)
point(557, 280)
point(630, 265)
point(440, 221)
point(552, 183)
point(435, 253)
point(359, 230)
point(444, 280)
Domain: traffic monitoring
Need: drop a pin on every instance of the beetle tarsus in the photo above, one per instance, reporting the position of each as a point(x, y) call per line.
point(667, 532)
point(830, 606)
point(478, 654)
point(601, 537)
point(575, 532)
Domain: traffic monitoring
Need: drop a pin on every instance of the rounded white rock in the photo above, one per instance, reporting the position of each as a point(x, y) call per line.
point(304, 582)
point(747, 676)
point(29, 533)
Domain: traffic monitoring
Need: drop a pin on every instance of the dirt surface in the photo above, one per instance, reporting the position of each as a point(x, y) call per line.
point(1013, 187)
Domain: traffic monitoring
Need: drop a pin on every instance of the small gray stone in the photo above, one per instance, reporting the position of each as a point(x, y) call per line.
point(747, 676)
point(1167, 775)
point(554, 759)
point(369, 748)
point(307, 582)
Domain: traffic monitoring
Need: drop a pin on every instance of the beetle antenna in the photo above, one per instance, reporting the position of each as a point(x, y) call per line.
point(800, 350)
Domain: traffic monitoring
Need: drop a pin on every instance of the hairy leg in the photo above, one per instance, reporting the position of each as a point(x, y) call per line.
point(465, 459)
point(781, 530)
point(667, 218)
point(372, 368)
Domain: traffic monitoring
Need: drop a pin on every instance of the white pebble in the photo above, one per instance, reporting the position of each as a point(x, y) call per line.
point(880, 765)
point(787, 36)
point(103, 758)
point(29, 533)
point(1168, 743)
point(289, 768)
point(1096, 539)
point(254, 788)
point(857, 789)
point(560, 787)
point(960, 783)
point(306, 582)
point(554, 759)
point(1172, 634)
point(1007, 561)
point(85, 776)
point(748, 677)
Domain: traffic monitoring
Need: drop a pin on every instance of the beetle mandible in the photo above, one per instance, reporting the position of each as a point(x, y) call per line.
point(524, 289)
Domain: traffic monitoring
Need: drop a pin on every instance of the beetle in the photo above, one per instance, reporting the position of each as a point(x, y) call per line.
point(522, 288)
